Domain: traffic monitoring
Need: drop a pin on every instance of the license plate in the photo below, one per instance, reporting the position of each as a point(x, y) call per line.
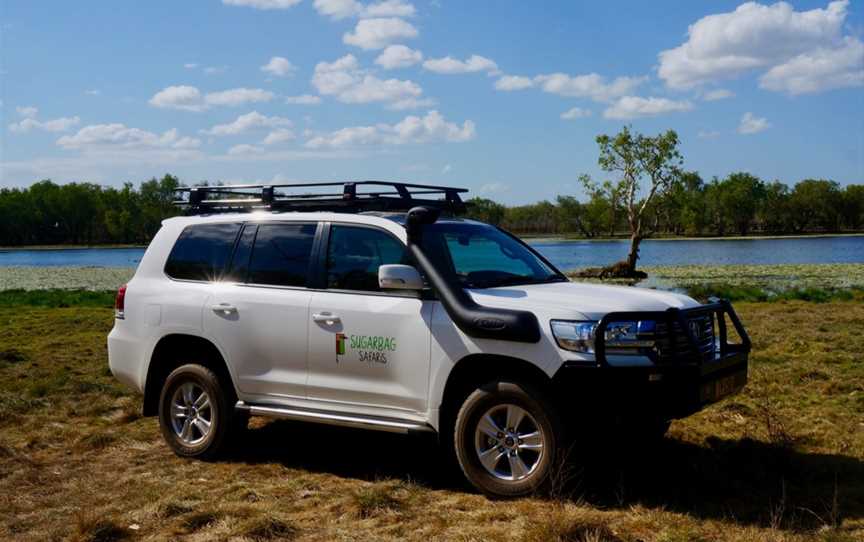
point(722, 387)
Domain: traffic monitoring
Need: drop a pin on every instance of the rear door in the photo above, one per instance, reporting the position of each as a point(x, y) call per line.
point(259, 315)
point(367, 347)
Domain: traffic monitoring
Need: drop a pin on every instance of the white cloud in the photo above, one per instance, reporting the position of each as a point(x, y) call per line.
point(342, 9)
point(93, 92)
point(491, 189)
point(379, 33)
point(389, 8)
point(513, 82)
point(344, 79)
point(590, 85)
point(304, 99)
point(278, 67)
point(29, 122)
point(398, 56)
point(247, 122)
point(631, 107)
point(755, 37)
point(28, 112)
point(718, 94)
point(238, 96)
point(412, 129)
point(449, 65)
point(819, 70)
point(245, 150)
point(338, 9)
point(279, 136)
point(181, 97)
point(188, 98)
point(446, 169)
point(411, 103)
point(263, 4)
point(575, 113)
point(190, 65)
point(751, 124)
point(108, 136)
point(708, 134)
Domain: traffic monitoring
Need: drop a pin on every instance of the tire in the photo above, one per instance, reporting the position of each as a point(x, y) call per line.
point(196, 413)
point(511, 466)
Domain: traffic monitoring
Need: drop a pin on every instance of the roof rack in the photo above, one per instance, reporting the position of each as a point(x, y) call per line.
point(373, 196)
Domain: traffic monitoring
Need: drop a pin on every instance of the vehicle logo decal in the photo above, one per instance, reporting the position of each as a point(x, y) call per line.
point(366, 348)
point(340, 345)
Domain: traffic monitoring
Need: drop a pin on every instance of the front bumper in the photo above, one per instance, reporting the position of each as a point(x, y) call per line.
point(666, 392)
point(678, 384)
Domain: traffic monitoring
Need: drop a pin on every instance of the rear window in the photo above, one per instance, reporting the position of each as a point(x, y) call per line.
point(281, 254)
point(202, 251)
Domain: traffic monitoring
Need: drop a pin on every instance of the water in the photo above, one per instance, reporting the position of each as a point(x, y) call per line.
point(565, 255)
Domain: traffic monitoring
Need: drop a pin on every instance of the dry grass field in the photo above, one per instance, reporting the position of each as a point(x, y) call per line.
point(782, 461)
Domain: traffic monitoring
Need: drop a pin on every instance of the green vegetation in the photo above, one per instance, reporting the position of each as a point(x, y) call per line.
point(56, 298)
point(781, 462)
point(64, 278)
point(739, 204)
point(771, 278)
point(89, 214)
point(85, 213)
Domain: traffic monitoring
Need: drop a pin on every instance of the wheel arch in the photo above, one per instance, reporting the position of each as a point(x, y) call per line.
point(174, 350)
point(476, 369)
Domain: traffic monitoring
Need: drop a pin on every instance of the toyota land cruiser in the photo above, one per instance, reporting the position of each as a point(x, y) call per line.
point(374, 306)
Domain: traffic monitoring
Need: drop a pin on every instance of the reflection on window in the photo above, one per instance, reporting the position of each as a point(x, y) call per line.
point(201, 252)
point(281, 254)
point(354, 255)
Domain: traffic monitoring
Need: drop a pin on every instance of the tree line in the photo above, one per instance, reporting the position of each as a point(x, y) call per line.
point(91, 214)
point(85, 213)
point(739, 204)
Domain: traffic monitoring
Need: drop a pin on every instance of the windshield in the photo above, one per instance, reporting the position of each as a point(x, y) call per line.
point(484, 257)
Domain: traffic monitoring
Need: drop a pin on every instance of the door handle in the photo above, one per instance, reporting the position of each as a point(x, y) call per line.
point(224, 308)
point(326, 317)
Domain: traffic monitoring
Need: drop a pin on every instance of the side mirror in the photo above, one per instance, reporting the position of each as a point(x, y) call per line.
point(399, 277)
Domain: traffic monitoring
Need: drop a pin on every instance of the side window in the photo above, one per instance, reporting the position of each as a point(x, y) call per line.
point(240, 261)
point(354, 255)
point(281, 254)
point(202, 251)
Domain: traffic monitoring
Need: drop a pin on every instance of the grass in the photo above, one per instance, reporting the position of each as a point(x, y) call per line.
point(783, 461)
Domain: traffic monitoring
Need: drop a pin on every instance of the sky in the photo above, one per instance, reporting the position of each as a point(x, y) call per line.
point(503, 97)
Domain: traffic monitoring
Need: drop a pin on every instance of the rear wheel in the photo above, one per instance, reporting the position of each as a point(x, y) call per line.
point(196, 414)
point(507, 439)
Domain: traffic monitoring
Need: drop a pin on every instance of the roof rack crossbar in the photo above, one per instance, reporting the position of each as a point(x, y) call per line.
point(391, 196)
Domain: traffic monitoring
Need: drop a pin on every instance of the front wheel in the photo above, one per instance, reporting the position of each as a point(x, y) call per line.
point(507, 439)
point(195, 412)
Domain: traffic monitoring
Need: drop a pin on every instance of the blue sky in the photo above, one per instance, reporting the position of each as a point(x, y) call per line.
point(504, 97)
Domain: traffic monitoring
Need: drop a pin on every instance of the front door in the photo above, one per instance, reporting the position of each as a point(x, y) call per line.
point(367, 347)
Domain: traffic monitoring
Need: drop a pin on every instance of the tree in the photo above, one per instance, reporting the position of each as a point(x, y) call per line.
point(741, 195)
point(486, 210)
point(816, 204)
point(639, 160)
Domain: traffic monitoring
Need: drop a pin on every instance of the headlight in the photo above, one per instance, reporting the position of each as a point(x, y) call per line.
point(575, 336)
point(621, 337)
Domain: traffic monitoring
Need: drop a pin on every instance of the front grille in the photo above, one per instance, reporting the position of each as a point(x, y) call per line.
point(672, 344)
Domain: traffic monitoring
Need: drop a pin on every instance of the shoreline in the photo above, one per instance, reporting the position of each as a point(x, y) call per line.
point(69, 247)
point(548, 238)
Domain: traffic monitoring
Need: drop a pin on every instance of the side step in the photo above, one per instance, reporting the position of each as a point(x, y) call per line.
point(345, 420)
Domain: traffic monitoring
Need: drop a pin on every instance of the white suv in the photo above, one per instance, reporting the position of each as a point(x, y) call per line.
point(312, 307)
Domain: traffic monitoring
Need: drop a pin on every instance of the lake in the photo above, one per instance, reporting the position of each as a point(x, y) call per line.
point(565, 254)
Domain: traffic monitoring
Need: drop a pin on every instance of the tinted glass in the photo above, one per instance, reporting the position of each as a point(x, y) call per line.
point(201, 252)
point(485, 257)
point(240, 262)
point(355, 254)
point(281, 254)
